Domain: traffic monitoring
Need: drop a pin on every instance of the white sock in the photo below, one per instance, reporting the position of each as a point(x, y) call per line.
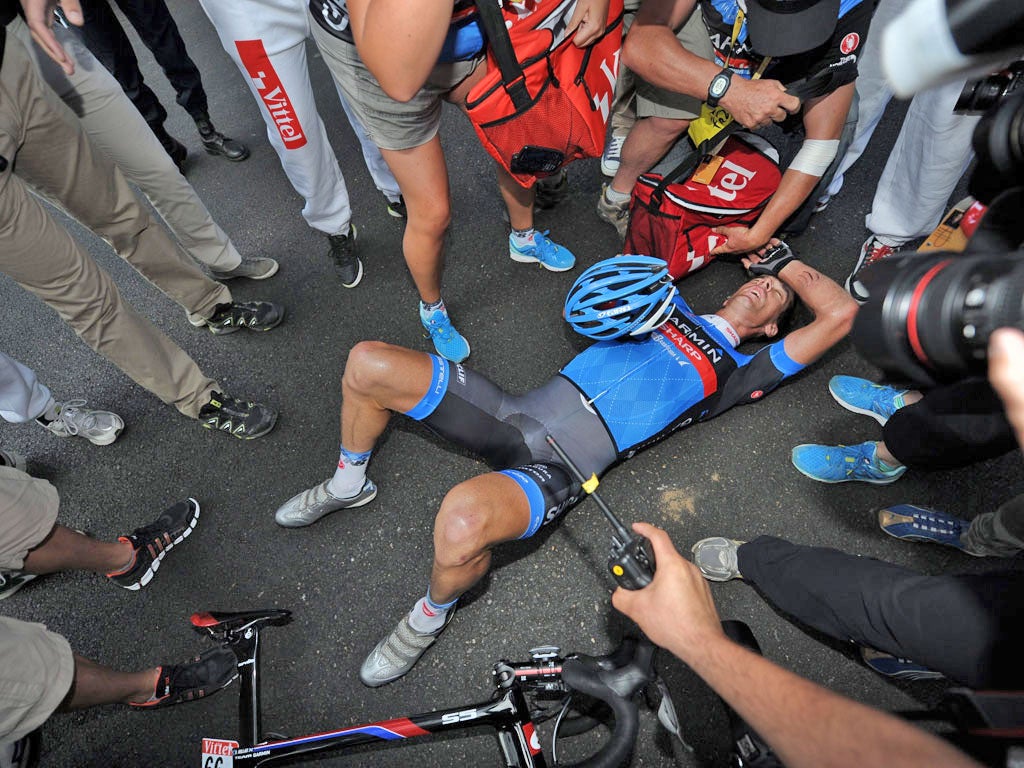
point(427, 617)
point(523, 237)
point(350, 475)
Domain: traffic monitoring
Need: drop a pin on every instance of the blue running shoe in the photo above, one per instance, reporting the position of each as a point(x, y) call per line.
point(861, 396)
point(544, 251)
point(843, 463)
point(893, 666)
point(448, 342)
point(913, 523)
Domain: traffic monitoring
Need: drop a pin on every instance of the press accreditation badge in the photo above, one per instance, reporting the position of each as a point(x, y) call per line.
point(218, 753)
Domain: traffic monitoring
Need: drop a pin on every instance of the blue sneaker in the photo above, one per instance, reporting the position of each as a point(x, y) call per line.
point(893, 666)
point(913, 523)
point(448, 342)
point(544, 251)
point(861, 396)
point(843, 463)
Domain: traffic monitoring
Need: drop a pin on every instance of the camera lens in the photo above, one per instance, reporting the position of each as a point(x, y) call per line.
point(929, 316)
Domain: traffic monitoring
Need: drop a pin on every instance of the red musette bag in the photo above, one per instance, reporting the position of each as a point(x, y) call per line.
point(543, 102)
point(673, 221)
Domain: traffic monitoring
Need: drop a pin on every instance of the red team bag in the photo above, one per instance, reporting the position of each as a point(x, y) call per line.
point(673, 221)
point(543, 102)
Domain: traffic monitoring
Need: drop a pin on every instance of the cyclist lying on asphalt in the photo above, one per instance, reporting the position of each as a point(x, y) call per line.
point(616, 397)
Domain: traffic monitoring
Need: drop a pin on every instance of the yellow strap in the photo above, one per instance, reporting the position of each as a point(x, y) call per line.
point(736, 27)
point(591, 485)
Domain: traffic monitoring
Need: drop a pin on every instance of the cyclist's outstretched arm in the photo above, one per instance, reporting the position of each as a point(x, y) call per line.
point(805, 724)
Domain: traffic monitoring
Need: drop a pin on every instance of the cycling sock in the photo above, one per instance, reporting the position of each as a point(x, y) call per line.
point(350, 475)
point(523, 237)
point(427, 617)
point(434, 306)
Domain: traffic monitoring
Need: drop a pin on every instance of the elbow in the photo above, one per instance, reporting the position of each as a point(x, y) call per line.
point(632, 52)
point(845, 314)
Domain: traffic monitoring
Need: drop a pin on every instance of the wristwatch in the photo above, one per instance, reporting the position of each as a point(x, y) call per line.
point(719, 85)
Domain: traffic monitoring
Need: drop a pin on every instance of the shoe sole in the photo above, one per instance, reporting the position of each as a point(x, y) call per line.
point(395, 214)
point(218, 153)
point(848, 285)
point(534, 260)
point(108, 438)
point(155, 565)
point(854, 409)
point(359, 276)
point(608, 170)
point(305, 524)
point(269, 273)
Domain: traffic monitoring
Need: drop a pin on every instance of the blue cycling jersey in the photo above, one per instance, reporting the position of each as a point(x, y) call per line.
point(684, 372)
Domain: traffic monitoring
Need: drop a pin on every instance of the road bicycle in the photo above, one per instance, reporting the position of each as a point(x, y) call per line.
point(576, 682)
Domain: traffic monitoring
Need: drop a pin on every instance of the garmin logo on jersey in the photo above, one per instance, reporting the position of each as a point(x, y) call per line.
point(713, 353)
point(268, 84)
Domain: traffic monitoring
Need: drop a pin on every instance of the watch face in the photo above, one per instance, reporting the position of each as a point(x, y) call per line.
point(718, 86)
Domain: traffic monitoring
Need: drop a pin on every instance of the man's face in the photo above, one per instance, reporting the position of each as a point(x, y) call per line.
point(760, 302)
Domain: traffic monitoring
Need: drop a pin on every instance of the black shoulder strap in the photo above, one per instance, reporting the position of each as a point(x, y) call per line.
point(501, 46)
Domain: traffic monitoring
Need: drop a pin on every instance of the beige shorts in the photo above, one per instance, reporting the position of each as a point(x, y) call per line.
point(652, 101)
point(28, 511)
point(37, 668)
point(391, 124)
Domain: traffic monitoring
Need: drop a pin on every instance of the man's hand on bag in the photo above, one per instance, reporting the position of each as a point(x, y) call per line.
point(40, 19)
point(738, 240)
point(589, 21)
point(756, 103)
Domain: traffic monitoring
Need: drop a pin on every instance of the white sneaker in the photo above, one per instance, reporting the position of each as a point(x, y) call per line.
point(73, 418)
point(871, 251)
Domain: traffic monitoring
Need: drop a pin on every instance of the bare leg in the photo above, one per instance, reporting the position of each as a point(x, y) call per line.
point(649, 141)
point(474, 516)
point(423, 178)
point(885, 455)
point(68, 550)
point(95, 684)
point(518, 200)
point(379, 378)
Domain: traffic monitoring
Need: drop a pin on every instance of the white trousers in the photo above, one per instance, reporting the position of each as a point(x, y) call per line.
point(22, 396)
point(267, 40)
point(931, 153)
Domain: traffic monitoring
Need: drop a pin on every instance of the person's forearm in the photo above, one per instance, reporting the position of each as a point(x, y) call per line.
point(399, 42)
point(822, 295)
point(793, 190)
point(807, 725)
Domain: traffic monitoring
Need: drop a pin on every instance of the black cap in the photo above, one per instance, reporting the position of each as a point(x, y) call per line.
point(785, 27)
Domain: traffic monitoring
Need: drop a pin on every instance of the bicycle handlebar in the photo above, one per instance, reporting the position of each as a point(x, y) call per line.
point(613, 679)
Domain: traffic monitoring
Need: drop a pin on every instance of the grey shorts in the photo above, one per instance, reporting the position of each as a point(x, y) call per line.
point(28, 511)
point(37, 668)
point(391, 124)
point(652, 101)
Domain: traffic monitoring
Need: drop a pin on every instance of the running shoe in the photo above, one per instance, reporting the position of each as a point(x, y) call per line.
point(236, 315)
point(12, 581)
point(242, 418)
point(893, 666)
point(844, 463)
point(543, 251)
point(397, 653)
point(912, 523)
point(74, 419)
point(878, 401)
point(396, 208)
point(13, 459)
point(717, 558)
point(153, 541)
point(252, 267)
point(616, 214)
point(212, 670)
point(343, 254)
point(871, 251)
point(449, 343)
point(612, 155)
point(309, 506)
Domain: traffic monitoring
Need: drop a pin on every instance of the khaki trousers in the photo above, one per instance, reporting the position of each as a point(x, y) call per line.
point(43, 151)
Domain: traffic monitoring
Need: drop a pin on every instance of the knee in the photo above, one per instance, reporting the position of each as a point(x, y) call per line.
point(460, 528)
point(666, 128)
point(429, 218)
point(367, 366)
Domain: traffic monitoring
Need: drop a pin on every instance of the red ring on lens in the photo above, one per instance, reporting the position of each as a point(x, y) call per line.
point(915, 301)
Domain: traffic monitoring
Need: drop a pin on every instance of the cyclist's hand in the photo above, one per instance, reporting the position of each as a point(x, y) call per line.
point(40, 19)
point(756, 103)
point(588, 21)
point(1006, 374)
point(675, 610)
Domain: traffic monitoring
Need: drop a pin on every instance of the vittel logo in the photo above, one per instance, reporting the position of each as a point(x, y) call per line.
point(275, 97)
point(729, 180)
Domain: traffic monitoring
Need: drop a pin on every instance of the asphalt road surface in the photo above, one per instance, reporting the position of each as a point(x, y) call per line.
point(350, 577)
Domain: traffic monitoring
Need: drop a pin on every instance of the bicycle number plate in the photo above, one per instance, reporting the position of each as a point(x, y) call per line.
point(218, 753)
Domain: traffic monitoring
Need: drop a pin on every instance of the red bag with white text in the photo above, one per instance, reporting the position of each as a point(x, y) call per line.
point(543, 102)
point(673, 221)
